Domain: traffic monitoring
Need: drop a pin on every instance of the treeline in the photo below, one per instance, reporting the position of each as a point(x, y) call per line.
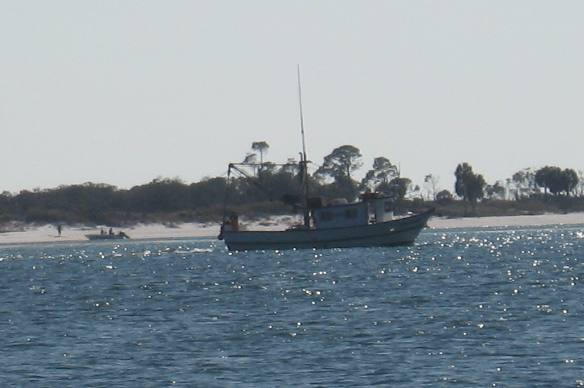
point(159, 200)
point(264, 188)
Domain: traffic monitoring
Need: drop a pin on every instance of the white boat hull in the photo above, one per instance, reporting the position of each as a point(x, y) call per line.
point(402, 231)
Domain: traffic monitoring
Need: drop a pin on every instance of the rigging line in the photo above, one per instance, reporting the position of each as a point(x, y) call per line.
point(304, 158)
point(253, 181)
point(262, 164)
point(227, 192)
point(301, 115)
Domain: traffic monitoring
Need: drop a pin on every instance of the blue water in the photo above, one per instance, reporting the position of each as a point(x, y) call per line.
point(460, 308)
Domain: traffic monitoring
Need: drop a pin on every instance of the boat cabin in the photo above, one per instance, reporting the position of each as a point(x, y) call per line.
point(341, 216)
point(372, 209)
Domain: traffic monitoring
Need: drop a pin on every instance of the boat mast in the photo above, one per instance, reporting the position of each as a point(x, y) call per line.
point(303, 158)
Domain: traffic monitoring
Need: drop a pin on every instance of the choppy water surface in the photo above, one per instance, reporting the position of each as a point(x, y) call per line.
point(463, 308)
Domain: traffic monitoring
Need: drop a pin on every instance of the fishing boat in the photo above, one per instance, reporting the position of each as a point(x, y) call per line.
point(340, 226)
point(369, 222)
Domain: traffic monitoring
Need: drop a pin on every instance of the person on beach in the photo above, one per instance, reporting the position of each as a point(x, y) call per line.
point(59, 229)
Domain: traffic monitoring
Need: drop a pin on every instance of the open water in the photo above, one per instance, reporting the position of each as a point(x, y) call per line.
point(460, 308)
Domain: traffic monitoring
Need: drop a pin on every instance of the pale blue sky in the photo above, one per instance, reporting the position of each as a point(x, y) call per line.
point(124, 91)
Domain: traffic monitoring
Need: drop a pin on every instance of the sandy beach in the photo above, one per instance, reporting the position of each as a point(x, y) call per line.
point(13, 234)
point(507, 221)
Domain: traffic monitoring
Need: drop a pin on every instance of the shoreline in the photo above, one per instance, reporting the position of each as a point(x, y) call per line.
point(23, 234)
point(507, 221)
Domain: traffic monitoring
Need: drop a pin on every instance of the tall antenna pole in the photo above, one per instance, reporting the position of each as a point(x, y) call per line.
point(304, 160)
point(301, 115)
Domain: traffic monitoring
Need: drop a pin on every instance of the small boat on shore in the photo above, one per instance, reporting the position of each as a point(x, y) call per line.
point(107, 236)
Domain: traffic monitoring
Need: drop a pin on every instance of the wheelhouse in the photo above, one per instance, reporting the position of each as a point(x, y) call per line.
point(373, 209)
point(341, 216)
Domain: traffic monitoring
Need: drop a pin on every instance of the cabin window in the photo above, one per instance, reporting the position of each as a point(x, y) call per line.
point(351, 213)
point(326, 216)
